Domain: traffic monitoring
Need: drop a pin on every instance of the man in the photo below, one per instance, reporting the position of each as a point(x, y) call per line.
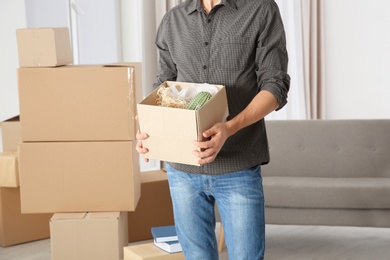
point(239, 44)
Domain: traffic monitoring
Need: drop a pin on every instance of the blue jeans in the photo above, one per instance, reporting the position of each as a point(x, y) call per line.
point(240, 200)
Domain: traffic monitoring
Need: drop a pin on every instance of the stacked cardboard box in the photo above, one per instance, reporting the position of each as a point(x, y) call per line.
point(77, 156)
point(10, 131)
point(98, 235)
point(44, 47)
point(154, 207)
point(15, 227)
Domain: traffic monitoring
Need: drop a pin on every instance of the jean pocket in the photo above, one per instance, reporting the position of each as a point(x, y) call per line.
point(233, 52)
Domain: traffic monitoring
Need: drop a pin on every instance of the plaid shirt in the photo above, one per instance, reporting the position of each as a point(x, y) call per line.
point(240, 44)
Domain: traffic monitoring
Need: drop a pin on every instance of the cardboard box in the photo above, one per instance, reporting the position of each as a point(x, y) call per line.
point(9, 170)
point(149, 251)
point(79, 176)
point(17, 228)
point(154, 207)
point(44, 47)
point(81, 236)
point(172, 130)
point(10, 131)
point(79, 103)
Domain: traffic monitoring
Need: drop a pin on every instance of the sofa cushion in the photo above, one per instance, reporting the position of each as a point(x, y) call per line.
point(329, 148)
point(315, 192)
point(332, 217)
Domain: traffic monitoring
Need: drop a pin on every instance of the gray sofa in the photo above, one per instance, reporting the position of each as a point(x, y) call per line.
point(328, 172)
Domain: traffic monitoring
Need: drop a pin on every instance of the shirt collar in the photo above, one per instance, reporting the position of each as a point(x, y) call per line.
point(196, 5)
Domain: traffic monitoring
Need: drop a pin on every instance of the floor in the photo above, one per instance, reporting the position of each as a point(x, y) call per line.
point(283, 243)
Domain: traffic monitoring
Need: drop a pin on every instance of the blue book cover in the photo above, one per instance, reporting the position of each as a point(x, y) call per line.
point(169, 246)
point(164, 233)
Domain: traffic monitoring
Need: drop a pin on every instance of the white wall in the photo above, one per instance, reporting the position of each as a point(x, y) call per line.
point(149, 58)
point(357, 44)
point(131, 31)
point(12, 16)
point(295, 108)
point(47, 13)
point(98, 31)
point(139, 22)
point(94, 26)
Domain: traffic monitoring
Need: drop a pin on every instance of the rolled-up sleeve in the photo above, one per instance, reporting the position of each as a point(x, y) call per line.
point(272, 57)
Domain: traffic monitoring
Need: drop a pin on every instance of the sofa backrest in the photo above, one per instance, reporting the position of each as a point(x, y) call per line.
point(328, 148)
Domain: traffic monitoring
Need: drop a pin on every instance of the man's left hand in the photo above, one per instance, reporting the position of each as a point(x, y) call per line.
point(216, 137)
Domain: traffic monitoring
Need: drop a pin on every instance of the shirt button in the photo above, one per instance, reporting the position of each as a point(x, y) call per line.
point(204, 67)
point(206, 43)
point(209, 20)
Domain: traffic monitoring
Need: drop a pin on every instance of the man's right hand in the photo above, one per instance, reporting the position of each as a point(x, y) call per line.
point(140, 149)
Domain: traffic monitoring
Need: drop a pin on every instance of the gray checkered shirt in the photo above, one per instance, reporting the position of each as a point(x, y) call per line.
point(240, 44)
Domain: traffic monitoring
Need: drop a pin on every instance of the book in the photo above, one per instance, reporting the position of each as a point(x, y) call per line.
point(169, 246)
point(164, 233)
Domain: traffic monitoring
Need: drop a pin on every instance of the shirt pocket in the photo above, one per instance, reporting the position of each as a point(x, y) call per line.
point(233, 52)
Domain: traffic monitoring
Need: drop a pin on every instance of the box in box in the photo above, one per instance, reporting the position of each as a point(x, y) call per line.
point(9, 170)
point(10, 131)
point(79, 176)
point(93, 235)
point(149, 251)
point(154, 207)
point(172, 130)
point(44, 47)
point(79, 103)
point(15, 227)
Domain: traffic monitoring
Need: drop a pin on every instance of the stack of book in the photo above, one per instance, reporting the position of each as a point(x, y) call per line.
point(165, 238)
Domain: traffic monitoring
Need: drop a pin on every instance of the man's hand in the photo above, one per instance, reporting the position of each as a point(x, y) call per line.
point(261, 105)
point(216, 137)
point(140, 149)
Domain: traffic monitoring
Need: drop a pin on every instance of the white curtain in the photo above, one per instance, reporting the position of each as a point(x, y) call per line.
point(314, 57)
point(292, 19)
